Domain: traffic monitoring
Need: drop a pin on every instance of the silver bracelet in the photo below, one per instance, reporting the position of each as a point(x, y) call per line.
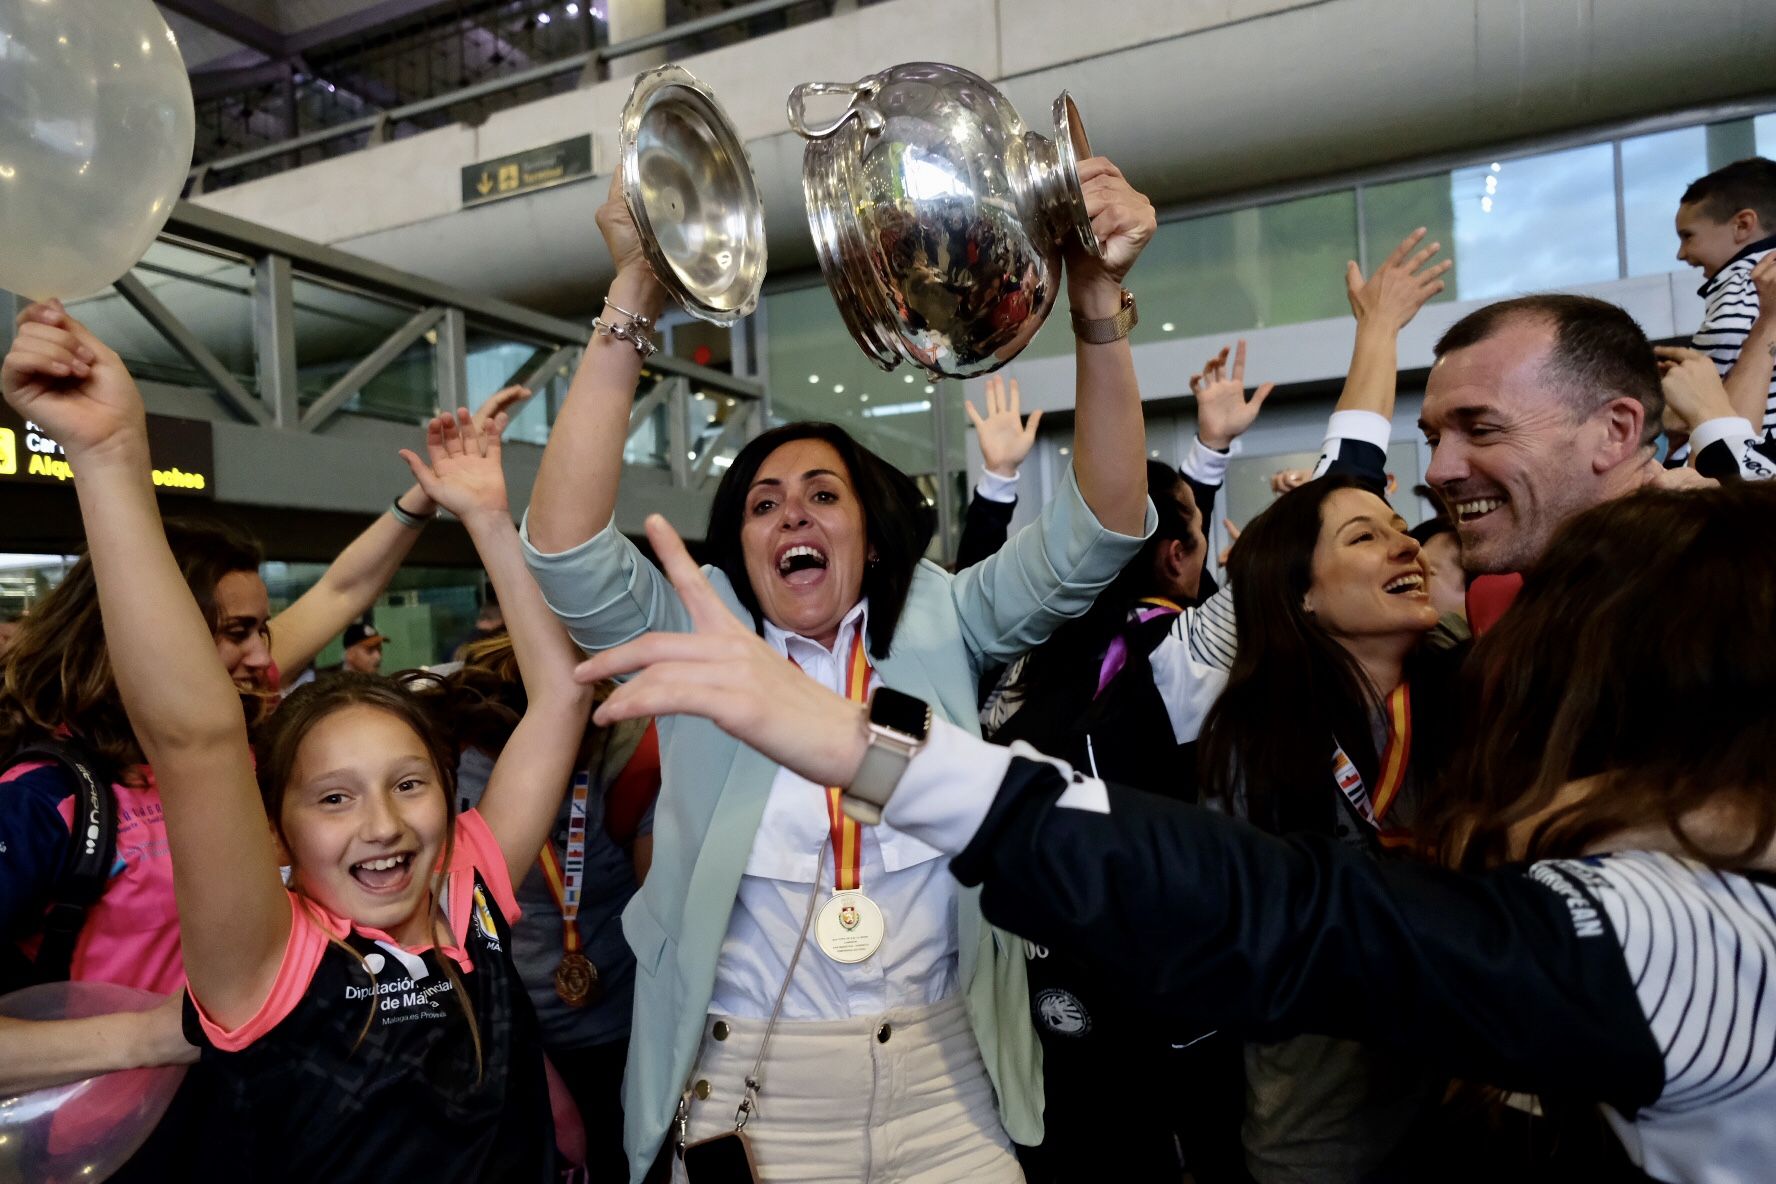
point(633, 331)
point(635, 318)
point(408, 518)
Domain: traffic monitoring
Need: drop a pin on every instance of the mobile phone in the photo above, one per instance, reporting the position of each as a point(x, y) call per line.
point(724, 1159)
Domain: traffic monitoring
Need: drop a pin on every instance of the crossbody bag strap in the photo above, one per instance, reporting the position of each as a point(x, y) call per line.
point(749, 1100)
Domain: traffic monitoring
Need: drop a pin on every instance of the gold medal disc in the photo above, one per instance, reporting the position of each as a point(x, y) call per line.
point(576, 980)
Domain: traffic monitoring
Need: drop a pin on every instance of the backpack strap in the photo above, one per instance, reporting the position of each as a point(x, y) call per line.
point(92, 849)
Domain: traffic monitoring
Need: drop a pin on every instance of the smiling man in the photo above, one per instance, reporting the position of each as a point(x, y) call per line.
point(1538, 409)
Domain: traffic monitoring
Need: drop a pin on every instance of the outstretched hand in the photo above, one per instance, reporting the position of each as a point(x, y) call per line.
point(1222, 411)
point(1005, 438)
point(726, 673)
point(1395, 291)
point(462, 470)
point(59, 375)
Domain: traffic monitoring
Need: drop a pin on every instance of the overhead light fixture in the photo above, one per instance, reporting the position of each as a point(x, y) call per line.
point(813, 378)
point(573, 10)
point(542, 18)
point(1167, 327)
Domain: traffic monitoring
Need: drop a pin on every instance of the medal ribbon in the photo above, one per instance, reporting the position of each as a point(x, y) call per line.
point(1394, 760)
point(847, 833)
point(566, 882)
point(1116, 657)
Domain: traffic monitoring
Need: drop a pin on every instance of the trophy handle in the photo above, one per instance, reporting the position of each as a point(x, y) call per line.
point(868, 116)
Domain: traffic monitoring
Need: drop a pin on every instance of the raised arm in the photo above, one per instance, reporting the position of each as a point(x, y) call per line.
point(354, 580)
point(576, 487)
point(1383, 305)
point(1110, 435)
point(462, 473)
point(234, 916)
point(1748, 382)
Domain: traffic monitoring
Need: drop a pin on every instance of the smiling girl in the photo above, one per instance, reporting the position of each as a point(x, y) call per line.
point(367, 1019)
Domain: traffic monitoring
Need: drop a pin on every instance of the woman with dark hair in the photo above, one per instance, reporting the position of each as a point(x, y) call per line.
point(900, 1045)
point(1607, 936)
point(1336, 715)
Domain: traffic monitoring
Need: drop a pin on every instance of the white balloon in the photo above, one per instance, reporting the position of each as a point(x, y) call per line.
point(96, 130)
point(81, 1132)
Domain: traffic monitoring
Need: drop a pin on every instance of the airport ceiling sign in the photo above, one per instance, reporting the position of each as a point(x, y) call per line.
point(528, 171)
point(181, 454)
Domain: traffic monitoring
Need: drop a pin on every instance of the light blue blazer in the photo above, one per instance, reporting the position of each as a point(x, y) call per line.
point(713, 788)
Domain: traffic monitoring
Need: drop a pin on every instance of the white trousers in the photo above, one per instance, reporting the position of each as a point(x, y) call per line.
point(899, 1098)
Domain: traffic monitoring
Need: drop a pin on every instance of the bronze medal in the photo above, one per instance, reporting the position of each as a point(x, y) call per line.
point(576, 980)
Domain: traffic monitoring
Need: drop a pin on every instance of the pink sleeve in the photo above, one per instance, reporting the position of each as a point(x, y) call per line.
point(302, 957)
point(476, 847)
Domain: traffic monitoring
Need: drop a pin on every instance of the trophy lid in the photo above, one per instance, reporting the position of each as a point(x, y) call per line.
point(690, 190)
point(1071, 147)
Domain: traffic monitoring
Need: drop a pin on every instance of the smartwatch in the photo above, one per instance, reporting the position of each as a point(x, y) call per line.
point(898, 725)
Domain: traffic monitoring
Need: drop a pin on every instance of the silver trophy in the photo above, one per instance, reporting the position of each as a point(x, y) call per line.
point(940, 220)
point(691, 192)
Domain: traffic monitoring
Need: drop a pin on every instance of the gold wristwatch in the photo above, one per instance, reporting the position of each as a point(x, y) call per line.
point(1108, 329)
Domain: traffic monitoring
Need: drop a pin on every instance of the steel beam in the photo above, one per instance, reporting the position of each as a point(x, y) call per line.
point(274, 339)
point(678, 431)
point(231, 24)
point(372, 364)
point(452, 360)
point(227, 390)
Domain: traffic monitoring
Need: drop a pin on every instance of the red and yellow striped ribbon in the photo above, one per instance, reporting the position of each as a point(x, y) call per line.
point(847, 834)
point(1398, 754)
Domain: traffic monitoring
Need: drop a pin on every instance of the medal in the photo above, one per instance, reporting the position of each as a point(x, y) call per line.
point(850, 927)
point(576, 980)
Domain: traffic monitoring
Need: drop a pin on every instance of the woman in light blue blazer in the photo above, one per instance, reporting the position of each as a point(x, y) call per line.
point(899, 1037)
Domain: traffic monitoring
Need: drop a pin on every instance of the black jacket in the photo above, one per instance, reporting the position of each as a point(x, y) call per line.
point(1484, 976)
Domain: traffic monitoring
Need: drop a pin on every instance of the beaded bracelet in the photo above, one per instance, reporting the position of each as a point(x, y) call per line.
point(634, 331)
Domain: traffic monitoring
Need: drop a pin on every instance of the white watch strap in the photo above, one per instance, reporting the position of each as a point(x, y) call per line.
point(883, 763)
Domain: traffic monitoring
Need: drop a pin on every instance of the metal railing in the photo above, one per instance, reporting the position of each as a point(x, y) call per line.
point(687, 418)
point(589, 65)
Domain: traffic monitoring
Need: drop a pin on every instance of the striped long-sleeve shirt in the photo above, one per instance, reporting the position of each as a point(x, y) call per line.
point(1731, 306)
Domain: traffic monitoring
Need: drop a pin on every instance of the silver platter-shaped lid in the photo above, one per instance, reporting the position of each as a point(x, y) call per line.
point(690, 189)
point(1071, 147)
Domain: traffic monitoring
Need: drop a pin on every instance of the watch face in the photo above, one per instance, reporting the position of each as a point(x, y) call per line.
point(901, 713)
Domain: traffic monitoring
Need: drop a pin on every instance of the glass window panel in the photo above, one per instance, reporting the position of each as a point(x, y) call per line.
point(210, 293)
point(493, 363)
point(425, 613)
point(1764, 128)
point(1276, 264)
point(818, 372)
point(1656, 170)
point(335, 329)
point(1535, 224)
point(646, 445)
point(1394, 210)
